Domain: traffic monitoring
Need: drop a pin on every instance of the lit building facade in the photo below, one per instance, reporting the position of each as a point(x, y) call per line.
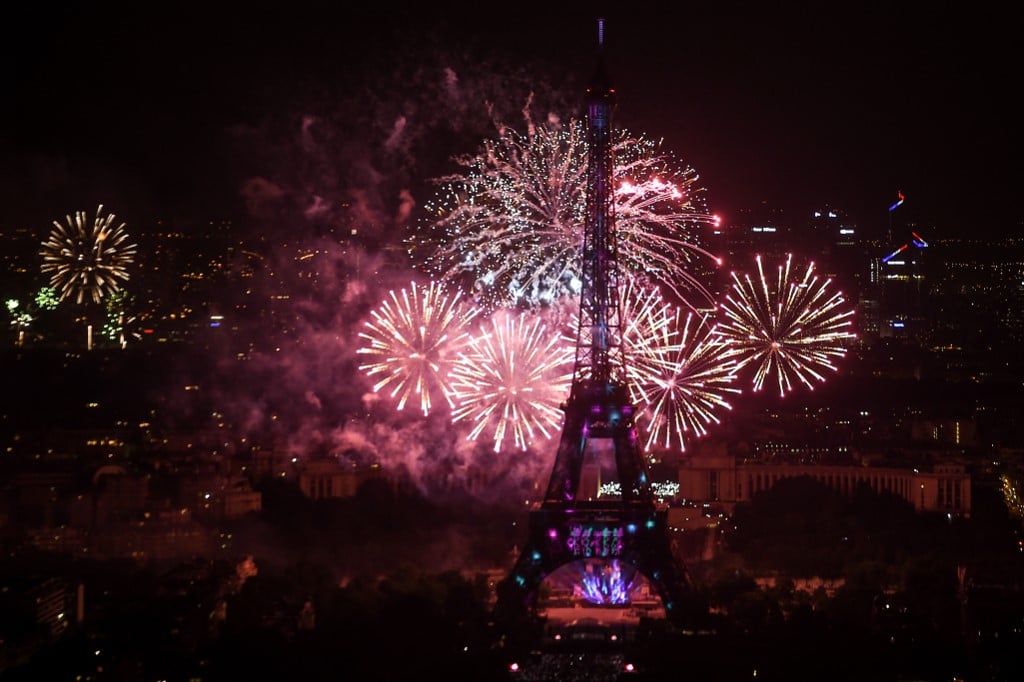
point(722, 481)
point(842, 253)
point(898, 280)
point(319, 479)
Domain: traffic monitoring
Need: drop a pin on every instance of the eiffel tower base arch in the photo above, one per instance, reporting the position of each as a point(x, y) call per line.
point(633, 534)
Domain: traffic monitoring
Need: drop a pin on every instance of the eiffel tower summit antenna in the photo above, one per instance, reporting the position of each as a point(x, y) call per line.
point(571, 525)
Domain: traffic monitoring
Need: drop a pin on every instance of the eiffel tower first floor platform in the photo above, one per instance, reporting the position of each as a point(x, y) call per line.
point(633, 533)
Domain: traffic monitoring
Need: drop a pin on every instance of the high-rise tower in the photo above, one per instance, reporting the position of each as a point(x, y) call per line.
point(599, 417)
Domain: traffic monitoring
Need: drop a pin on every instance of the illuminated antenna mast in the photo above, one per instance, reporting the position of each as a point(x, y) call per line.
point(600, 31)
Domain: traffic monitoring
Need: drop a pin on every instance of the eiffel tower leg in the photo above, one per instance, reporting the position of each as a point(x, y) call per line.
point(684, 606)
point(629, 464)
point(515, 610)
point(565, 476)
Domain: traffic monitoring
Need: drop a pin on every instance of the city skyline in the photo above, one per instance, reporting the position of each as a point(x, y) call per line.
point(206, 113)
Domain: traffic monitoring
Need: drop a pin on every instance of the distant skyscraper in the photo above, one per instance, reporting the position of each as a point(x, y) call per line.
point(899, 280)
point(764, 230)
point(842, 254)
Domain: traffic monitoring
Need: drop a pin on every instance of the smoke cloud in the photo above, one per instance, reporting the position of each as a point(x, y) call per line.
point(329, 183)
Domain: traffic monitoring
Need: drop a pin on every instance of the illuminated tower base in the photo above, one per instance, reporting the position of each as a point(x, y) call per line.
point(605, 531)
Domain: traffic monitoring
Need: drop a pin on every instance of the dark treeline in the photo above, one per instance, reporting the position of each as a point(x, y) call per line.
point(389, 585)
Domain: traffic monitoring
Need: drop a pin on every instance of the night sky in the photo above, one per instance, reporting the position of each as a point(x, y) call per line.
point(180, 110)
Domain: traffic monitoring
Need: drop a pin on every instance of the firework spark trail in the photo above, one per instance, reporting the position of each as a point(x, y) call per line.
point(647, 333)
point(510, 228)
point(120, 325)
point(87, 259)
point(412, 342)
point(646, 317)
point(681, 386)
point(659, 209)
point(21, 320)
point(792, 329)
point(510, 223)
point(646, 324)
point(511, 380)
point(677, 368)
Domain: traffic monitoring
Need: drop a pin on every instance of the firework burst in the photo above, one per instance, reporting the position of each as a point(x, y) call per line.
point(21, 320)
point(646, 321)
point(677, 369)
point(510, 228)
point(682, 384)
point(86, 259)
point(47, 299)
point(511, 380)
point(792, 328)
point(411, 342)
point(120, 325)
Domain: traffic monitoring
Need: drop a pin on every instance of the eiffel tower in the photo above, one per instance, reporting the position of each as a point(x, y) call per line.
point(599, 418)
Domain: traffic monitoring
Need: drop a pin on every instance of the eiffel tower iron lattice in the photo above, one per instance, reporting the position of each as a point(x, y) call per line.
point(599, 417)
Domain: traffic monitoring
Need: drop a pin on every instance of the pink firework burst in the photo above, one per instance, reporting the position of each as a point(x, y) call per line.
point(411, 342)
point(511, 379)
point(510, 228)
